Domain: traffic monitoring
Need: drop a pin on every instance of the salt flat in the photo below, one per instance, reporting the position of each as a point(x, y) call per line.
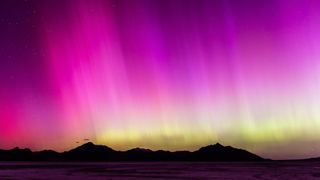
point(161, 170)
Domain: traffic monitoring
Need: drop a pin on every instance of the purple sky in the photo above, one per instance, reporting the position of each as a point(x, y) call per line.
point(161, 74)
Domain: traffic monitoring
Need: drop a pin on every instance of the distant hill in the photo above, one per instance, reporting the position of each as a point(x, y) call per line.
point(16, 154)
point(218, 152)
point(92, 152)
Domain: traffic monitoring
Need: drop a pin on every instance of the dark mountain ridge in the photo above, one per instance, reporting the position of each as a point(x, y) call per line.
point(92, 152)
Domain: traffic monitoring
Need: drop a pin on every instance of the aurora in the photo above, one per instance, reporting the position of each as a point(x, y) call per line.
point(161, 74)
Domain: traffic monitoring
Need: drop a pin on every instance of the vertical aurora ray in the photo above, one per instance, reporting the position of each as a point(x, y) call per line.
point(169, 74)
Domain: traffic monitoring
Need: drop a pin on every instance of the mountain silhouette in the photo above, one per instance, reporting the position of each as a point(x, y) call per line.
point(16, 154)
point(92, 152)
point(218, 152)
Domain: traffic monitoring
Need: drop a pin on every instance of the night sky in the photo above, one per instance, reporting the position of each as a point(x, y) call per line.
point(161, 74)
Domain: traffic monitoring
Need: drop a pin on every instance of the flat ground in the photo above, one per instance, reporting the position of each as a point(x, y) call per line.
point(160, 170)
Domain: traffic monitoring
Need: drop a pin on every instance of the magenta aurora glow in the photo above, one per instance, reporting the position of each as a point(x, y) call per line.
point(161, 74)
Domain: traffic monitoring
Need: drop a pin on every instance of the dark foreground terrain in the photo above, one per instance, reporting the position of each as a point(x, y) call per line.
point(95, 153)
point(161, 170)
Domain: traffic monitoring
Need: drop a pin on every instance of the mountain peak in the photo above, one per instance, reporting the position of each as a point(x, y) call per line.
point(16, 148)
point(137, 149)
point(88, 144)
point(19, 149)
point(91, 147)
point(218, 145)
point(218, 152)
